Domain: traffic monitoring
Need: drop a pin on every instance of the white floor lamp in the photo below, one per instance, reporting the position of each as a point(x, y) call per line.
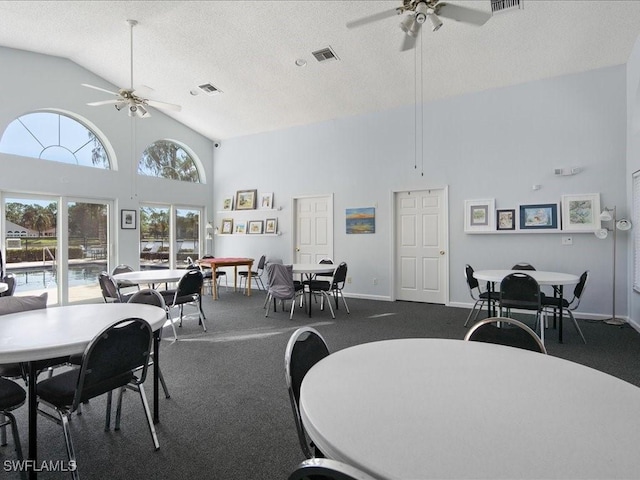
point(609, 215)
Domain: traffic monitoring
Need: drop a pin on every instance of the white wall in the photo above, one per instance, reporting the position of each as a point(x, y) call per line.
point(30, 81)
point(633, 163)
point(496, 143)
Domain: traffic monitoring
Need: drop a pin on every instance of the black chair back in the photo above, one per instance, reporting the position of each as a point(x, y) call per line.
point(305, 348)
point(109, 288)
point(327, 469)
point(577, 292)
point(519, 290)
point(112, 357)
point(511, 333)
point(190, 283)
point(471, 280)
point(148, 296)
point(523, 266)
point(122, 269)
point(340, 275)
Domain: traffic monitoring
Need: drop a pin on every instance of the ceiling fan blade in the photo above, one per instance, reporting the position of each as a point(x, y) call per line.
point(408, 43)
point(374, 18)
point(162, 105)
point(463, 14)
point(100, 89)
point(105, 102)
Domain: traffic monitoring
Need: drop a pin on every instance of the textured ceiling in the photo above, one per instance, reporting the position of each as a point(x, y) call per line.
point(248, 50)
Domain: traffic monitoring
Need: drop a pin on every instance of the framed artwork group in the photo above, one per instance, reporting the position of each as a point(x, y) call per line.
point(575, 213)
point(248, 200)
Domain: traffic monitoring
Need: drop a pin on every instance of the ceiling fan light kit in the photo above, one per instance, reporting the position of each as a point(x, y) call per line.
point(126, 98)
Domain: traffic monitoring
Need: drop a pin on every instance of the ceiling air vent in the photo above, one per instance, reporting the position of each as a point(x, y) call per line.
point(209, 89)
point(325, 54)
point(500, 6)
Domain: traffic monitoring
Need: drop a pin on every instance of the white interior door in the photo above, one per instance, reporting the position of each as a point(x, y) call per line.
point(421, 254)
point(313, 229)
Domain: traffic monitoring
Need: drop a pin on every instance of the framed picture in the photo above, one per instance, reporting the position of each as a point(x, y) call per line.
point(227, 203)
point(227, 226)
point(246, 199)
point(266, 200)
point(241, 227)
point(360, 220)
point(255, 226)
point(128, 219)
point(542, 216)
point(479, 215)
point(271, 225)
point(581, 212)
point(506, 219)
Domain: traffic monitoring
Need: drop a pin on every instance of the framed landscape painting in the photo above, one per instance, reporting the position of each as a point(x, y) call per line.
point(246, 199)
point(506, 219)
point(543, 216)
point(479, 215)
point(581, 213)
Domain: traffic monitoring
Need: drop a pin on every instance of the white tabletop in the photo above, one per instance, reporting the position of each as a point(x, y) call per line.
point(309, 268)
point(3, 287)
point(154, 275)
point(436, 408)
point(542, 277)
point(67, 330)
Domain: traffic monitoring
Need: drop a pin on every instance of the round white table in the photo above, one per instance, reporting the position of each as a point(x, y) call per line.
point(435, 408)
point(555, 279)
point(62, 331)
point(310, 269)
point(152, 276)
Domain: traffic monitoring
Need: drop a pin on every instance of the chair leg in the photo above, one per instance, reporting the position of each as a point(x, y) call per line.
point(322, 297)
point(119, 408)
point(473, 309)
point(107, 420)
point(173, 327)
point(201, 316)
point(7, 418)
point(575, 324)
point(344, 300)
point(268, 304)
point(147, 412)
point(69, 443)
point(163, 383)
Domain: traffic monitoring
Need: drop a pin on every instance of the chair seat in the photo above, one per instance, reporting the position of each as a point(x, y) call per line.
point(12, 395)
point(488, 295)
point(59, 390)
point(317, 285)
point(169, 294)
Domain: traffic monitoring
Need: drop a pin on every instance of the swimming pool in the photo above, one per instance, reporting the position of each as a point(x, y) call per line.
point(37, 278)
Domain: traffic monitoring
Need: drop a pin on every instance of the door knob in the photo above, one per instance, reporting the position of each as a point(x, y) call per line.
point(441, 252)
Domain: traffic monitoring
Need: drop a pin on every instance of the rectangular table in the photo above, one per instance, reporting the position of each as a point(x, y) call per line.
point(216, 262)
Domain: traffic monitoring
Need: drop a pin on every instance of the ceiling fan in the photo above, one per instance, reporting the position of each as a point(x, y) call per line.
point(418, 13)
point(136, 105)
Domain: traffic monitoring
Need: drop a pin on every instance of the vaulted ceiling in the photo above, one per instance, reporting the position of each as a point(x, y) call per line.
point(248, 50)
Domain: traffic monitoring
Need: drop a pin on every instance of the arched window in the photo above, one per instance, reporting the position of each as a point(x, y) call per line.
point(56, 137)
point(167, 159)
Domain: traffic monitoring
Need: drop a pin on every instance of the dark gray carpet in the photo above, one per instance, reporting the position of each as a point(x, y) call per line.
point(229, 415)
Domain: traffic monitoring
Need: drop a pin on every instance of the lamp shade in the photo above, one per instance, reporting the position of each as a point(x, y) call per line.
point(623, 224)
point(601, 233)
point(605, 216)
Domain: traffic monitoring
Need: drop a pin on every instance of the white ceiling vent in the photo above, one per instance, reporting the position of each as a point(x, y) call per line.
point(209, 89)
point(325, 54)
point(500, 6)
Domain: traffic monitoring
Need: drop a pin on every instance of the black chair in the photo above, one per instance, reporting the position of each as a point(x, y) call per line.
point(255, 274)
point(122, 268)
point(521, 291)
point(281, 286)
point(523, 266)
point(552, 304)
point(116, 357)
point(188, 291)
point(477, 295)
point(10, 280)
point(505, 331)
point(208, 274)
point(334, 286)
point(327, 469)
point(110, 291)
point(305, 348)
point(12, 396)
